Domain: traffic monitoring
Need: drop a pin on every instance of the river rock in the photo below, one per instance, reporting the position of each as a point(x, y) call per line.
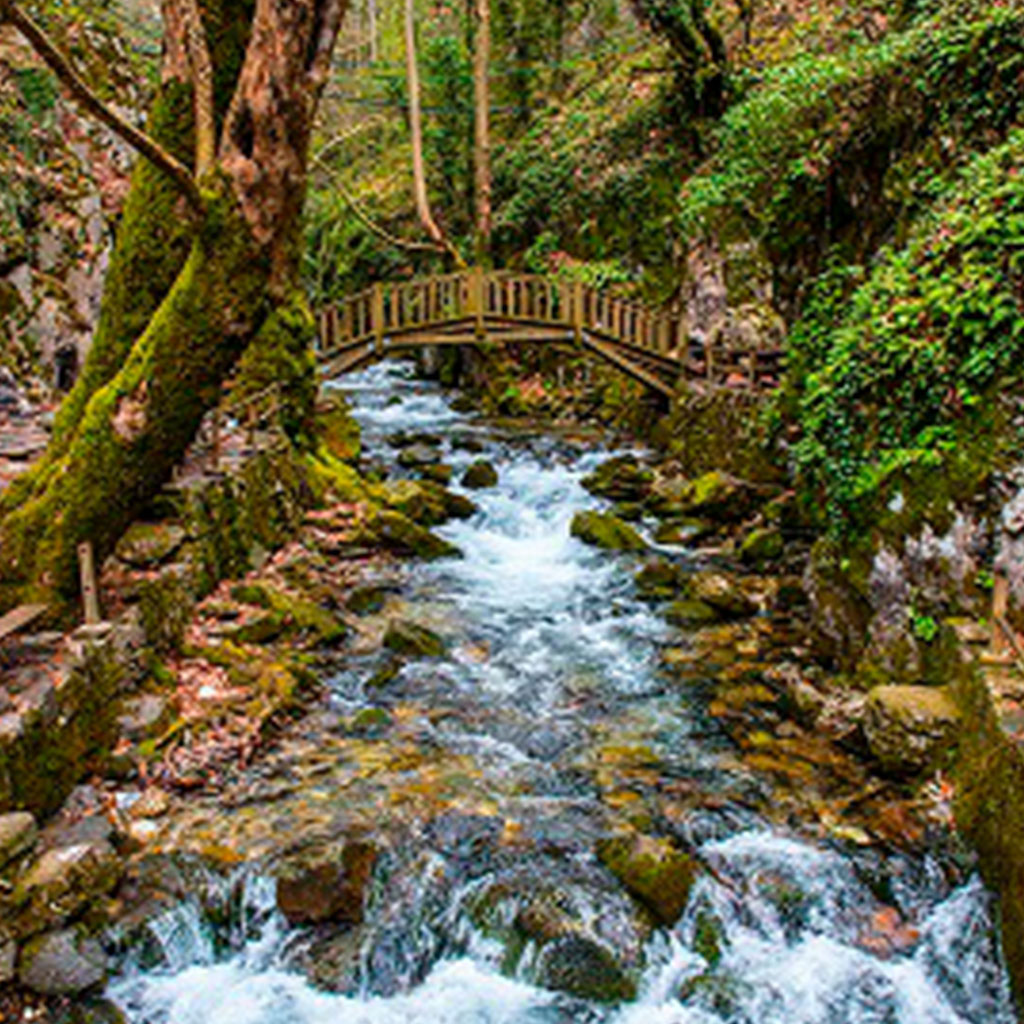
point(606, 531)
point(327, 885)
point(417, 502)
point(418, 455)
point(62, 963)
point(620, 479)
point(18, 834)
point(659, 580)
point(723, 593)
point(147, 545)
point(404, 637)
point(439, 473)
point(910, 728)
point(654, 871)
point(402, 535)
point(691, 612)
point(721, 497)
point(761, 546)
point(581, 967)
point(670, 497)
point(367, 600)
point(479, 475)
point(144, 716)
point(62, 882)
point(682, 531)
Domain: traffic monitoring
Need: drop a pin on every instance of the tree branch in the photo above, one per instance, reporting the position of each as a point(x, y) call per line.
point(202, 85)
point(367, 221)
point(61, 66)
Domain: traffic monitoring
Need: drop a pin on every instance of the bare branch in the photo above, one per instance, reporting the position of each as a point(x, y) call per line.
point(61, 66)
point(367, 221)
point(202, 86)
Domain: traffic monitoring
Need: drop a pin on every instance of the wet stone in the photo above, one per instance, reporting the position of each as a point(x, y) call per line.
point(62, 963)
point(327, 885)
point(414, 640)
point(144, 716)
point(18, 834)
point(481, 474)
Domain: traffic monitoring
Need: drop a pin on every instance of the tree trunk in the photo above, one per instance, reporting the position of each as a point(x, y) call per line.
point(238, 284)
point(482, 148)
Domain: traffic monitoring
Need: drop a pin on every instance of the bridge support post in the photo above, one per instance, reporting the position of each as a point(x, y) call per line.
point(476, 300)
point(378, 317)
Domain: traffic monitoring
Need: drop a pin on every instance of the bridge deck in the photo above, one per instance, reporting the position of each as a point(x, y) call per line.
point(474, 306)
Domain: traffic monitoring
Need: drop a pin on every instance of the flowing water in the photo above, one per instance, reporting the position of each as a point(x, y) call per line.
point(555, 708)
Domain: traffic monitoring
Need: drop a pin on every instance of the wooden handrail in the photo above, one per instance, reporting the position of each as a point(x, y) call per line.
point(504, 302)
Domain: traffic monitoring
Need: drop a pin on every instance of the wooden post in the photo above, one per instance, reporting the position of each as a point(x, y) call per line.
point(1000, 603)
point(87, 574)
point(378, 317)
point(476, 301)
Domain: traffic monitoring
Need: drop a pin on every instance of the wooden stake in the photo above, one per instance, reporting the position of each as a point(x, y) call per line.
point(87, 570)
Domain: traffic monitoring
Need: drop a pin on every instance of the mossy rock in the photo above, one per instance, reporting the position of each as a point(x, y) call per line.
point(415, 500)
point(400, 534)
point(659, 580)
point(332, 476)
point(620, 479)
point(386, 674)
point(411, 639)
point(691, 612)
point(147, 545)
point(584, 968)
point(669, 497)
point(287, 614)
point(911, 729)
point(438, 473)
point(722, 497)
point(367, 600)
point(761, 546)
point(630, 511)
point(606, 531)
point(371, 722)
point(480, 475)
point(723, 593)
point(654, 871)
point(262, 630)
point(417, 455)
point(683, 531)
point(165, 610)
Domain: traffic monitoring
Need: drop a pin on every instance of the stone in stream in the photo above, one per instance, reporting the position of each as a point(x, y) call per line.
point(606, 531)
point(721, 497)
point(479, 475)
point(620, 479)
point(583, 968)
point(691, 612)
point(18, 834)
point(411, 639)
point(762, 545)
point(721, 592)
point(400, 534)
point(439, 473)
point(659, 580)
point(683, 531)
point(653, 871)
point(62, 963)
point(327, 885)
point(910, 729)
point(418, 455)
point(62, 882)
point(368, 600)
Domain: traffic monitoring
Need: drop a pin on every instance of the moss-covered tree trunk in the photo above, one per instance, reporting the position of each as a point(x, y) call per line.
point(165, 350)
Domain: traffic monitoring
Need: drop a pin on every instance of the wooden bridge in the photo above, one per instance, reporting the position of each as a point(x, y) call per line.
point(475, 307)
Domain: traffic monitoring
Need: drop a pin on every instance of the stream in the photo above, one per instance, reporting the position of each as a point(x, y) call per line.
point(550, 724)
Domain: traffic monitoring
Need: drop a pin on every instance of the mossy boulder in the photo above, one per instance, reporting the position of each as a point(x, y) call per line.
point(18, 834)
point(62, 882)
point(62, 963)
point(691, 612)
point(286, 613)
point(683, 531)
point(910, 729)
point(620, 479)
point(761, 546)
point(606, 531)
point(330, 884)
point(417, 455)
point(654, 872)
point(147, 545)
point(721, 497)
point(400, 534)
point(584, 968)
point(411, 639)
point(420, 504)
point(367, 600)
point(165, 610)
point(722, 592)
point(480, 475)
point(439, 473)
point(659, 580)
point(669, 497)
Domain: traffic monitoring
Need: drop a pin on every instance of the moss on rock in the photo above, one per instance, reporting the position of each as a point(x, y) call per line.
point(606, 531)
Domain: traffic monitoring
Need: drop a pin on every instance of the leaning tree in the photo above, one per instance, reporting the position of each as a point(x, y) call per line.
point(205, 269)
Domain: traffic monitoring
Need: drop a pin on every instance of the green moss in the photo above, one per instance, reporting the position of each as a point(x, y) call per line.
point(606, 531)
point(654, 871)
point(165, 610)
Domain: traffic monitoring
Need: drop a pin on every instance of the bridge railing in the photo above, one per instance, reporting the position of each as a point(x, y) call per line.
point(434, 309)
